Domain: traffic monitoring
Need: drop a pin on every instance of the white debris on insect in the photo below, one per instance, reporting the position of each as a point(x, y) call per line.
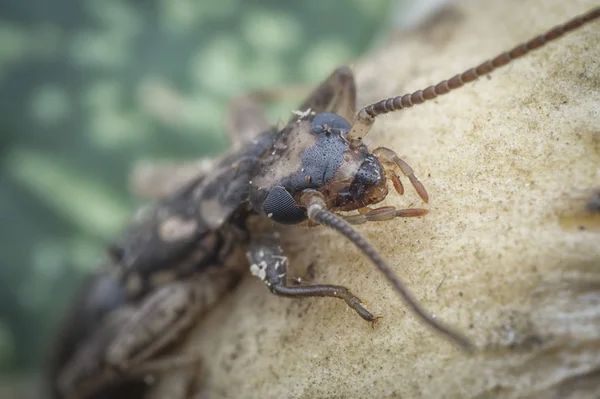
point(281, 260)
point(302, 114)
point(281, 264)
point(259, 270)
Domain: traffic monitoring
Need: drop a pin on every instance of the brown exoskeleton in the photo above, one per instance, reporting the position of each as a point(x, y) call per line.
point(312, 169)
point(109, 345)
point(97, 298)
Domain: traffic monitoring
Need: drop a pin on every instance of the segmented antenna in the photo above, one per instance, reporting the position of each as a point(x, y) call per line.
point(366, 115)
point(319, 214)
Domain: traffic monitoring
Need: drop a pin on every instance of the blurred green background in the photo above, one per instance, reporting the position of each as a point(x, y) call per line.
point(90, 86)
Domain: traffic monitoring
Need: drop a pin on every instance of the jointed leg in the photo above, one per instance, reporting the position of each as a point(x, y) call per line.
point(392, 162)
point(163, 320)
point(317, 211)
point(160, 320)
point(384, 213)
point(270, 265)
point(127, 344)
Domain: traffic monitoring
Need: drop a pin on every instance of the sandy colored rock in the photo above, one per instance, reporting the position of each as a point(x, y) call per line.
point(507, 255)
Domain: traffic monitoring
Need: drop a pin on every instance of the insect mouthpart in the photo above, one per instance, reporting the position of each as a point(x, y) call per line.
point(368, 186)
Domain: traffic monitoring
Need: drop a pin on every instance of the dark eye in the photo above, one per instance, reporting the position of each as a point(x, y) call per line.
point(326, 122)
point(280, 207)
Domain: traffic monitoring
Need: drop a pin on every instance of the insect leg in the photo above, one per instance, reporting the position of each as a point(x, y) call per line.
point(384, 213)
point(391, 161)
point(163, 319)
point(166, 363)
point(317, 211)
point(159, 320)
point(270, 265)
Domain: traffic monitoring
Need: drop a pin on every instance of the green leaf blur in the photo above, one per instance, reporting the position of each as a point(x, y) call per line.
point(90, 86)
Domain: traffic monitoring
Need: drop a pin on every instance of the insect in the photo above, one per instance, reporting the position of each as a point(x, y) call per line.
point(311, 170)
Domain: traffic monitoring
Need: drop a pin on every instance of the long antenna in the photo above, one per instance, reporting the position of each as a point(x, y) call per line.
point(318, 213)
point(366, 116)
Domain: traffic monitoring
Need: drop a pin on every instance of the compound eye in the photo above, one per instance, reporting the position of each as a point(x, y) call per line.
point(280, 207)
point(326, 122)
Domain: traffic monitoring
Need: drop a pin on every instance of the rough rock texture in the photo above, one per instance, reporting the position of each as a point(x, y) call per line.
point(507, 255)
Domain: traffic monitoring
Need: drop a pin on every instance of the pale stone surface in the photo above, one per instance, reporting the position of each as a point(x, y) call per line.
point(508, 163)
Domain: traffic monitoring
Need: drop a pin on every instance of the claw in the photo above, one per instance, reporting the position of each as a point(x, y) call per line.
point(391, 161)
point(420, 189)
point(397, 183)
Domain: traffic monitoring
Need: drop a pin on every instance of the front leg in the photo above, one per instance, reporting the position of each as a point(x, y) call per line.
point(268, 263)
point(391, 162)
point(383, 213)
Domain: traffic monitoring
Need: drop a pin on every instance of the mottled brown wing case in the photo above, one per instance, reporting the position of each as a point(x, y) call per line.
point(226, 190)
point(97, 297)
point(151, 242)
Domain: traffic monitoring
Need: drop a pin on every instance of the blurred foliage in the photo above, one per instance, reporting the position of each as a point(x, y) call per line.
point(90, 86)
